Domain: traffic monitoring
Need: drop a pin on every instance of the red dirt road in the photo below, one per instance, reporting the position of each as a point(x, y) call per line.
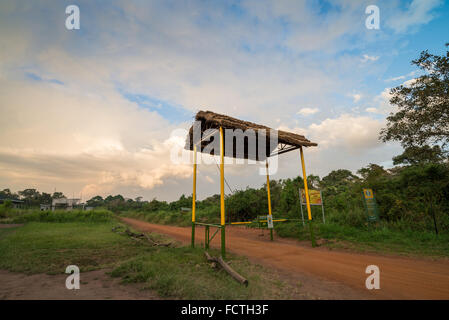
point(400, 278)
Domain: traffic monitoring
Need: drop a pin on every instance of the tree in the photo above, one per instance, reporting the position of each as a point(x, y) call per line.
point(289, 200)
point(58, 195)
point(45, 198)
point(430, 184)
point(29, 194)
point(423, 106)
point(313, 181)
point(419, 155)
point(7, 194)
point(95, 201)
point(338, 180)
point(372, 171)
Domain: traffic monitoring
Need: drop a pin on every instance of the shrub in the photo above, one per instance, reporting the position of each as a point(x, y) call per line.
point(63, 216)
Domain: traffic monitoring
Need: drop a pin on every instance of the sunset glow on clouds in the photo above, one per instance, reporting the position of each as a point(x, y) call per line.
point(91, 111)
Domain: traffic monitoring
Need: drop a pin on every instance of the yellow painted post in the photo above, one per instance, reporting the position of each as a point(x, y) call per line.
point(306, 189)
point(269, 198)
point(194, 196)
point(222, 202)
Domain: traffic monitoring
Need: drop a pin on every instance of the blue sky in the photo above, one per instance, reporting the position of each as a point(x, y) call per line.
point(105, 104)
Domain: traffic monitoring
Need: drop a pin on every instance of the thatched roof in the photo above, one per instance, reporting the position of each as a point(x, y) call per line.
point(211, 120)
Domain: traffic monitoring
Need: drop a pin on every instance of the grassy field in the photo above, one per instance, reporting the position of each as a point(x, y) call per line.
point(50, 247)
point(371, 239)
point(179, 272)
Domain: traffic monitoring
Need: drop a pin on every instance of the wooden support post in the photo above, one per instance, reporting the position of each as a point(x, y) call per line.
point(306, 189)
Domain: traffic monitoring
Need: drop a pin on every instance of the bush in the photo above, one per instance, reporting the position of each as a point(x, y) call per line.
point(63, 216)
point(5, 208)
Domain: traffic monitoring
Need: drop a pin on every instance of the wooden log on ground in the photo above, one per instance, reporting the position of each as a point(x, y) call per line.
point(139, 236)
point(155, 243)
point(209, 258)
point(232, 272)
point(227, 268)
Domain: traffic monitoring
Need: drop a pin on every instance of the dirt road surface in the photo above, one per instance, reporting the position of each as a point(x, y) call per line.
point(400, 277)
point(94, 285)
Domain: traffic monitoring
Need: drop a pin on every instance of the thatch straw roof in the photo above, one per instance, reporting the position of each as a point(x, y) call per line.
point(211, 120)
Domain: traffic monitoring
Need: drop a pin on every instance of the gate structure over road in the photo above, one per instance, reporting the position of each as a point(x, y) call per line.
point(246, 140)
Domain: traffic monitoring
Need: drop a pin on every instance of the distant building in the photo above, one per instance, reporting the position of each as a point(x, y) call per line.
point(65, 203)
point(15, 203)
point(184, 209)
point(45, 207)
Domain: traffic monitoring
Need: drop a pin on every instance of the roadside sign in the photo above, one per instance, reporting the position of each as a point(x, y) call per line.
point(314, 197)
point(368, 193)
point(270, 221)
point(372, 211)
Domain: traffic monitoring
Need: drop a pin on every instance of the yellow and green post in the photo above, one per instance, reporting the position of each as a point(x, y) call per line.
point(194, 196)
point(269, 198)
point(222, 202)
point(306, 189)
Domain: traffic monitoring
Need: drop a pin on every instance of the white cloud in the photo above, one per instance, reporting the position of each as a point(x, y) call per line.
point(356, 97)
point(372, 110)
point(408, 83)
point(369, 58)
point(382, 101)
point(307, 111)
point(354, 133)
point(402, 77)
point(419, 12)
point(346, 132)
point(395, 79)
point(51, 135)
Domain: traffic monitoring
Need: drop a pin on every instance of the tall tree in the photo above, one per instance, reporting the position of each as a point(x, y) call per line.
point(423, 106)
point(7, 194)
point(419, 155)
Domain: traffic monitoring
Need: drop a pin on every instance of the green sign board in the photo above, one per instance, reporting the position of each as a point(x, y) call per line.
point(372, 211)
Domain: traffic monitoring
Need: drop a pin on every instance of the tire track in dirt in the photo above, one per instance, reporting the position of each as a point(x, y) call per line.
point(400, 277)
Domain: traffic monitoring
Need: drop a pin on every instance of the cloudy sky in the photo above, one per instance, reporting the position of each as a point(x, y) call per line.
point(98, 110)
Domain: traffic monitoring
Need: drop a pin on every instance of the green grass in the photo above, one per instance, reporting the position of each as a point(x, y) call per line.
point(50, 247)
point(175, 218)
point(184, 273)
point(370, 238)
point(180, 273)
point(5, 231)
point(161, 217)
